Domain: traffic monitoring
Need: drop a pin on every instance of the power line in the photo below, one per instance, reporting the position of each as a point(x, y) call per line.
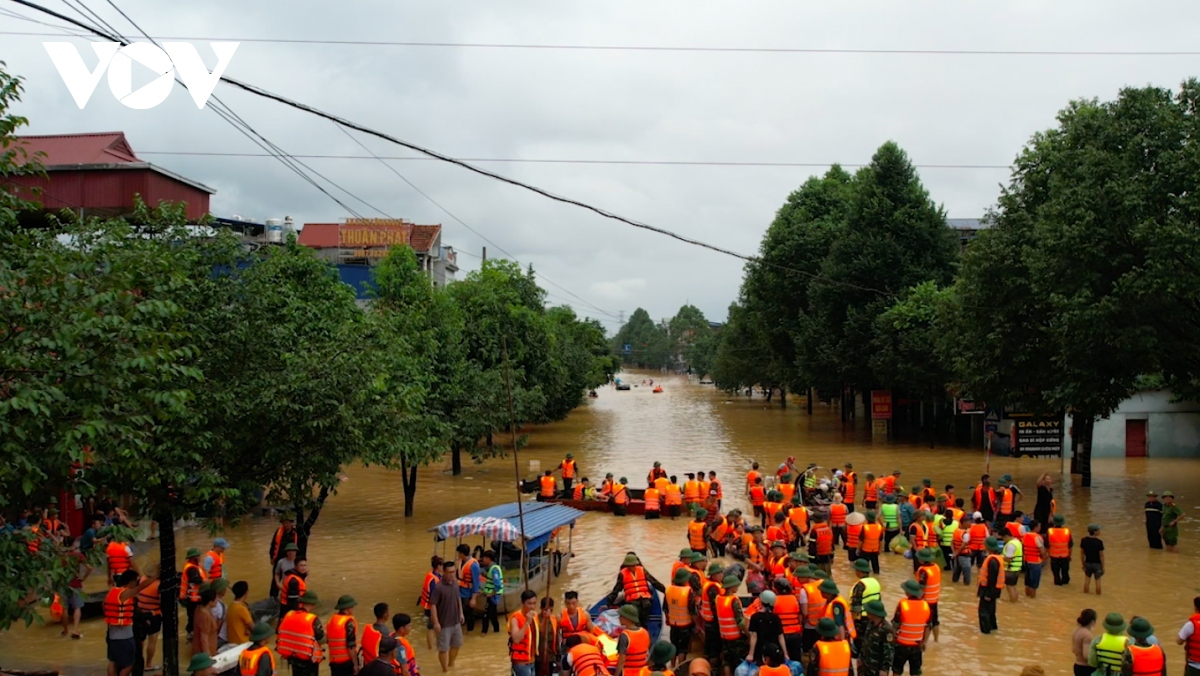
point(263, 93)
point(680, 48)
point(526, 160)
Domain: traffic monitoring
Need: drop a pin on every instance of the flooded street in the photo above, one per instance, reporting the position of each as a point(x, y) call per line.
point(363, 546)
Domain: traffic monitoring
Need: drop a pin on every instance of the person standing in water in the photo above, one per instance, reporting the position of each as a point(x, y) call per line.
point(1154, 520)
point(1081, 641)
point(1172, 515)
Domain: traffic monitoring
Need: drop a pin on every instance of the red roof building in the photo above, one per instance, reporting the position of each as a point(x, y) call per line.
point(99, 175)
point(363, 241)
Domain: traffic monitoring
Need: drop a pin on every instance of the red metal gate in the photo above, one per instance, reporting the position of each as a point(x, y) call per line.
point(1135, 438)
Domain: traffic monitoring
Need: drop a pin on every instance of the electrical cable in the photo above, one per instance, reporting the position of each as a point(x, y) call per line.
point(460, 221)
point(681, 48)
point(266, 94)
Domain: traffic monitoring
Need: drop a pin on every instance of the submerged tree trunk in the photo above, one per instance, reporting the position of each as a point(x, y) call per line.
point(783, 396)
point(1083, 424)
point(811, 393)
point(408, 478)
point(456, 458)
point(770, 393)
point(168, 593)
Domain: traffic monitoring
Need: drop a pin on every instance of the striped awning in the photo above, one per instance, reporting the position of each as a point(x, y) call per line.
point(487, 526)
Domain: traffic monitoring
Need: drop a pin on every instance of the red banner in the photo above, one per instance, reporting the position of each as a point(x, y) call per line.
point(881, 404)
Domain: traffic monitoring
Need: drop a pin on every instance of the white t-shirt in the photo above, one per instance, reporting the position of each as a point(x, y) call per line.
point(218, 612)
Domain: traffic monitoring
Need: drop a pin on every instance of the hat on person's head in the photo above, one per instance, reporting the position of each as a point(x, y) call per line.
point(1151, 494)
point(682, 576)
point(992, 544)
point(261, 632)
point(630, 612)
point(1093, 528)
point(818, 574)
point(889, 498)
point(608, 476)
point(977, 516)
point(925, 556)
point(1141, 628)
point(827, 628)
point(875, 608)
point(387, 644)
point(309, 597)
point(698, 557)
point(912, 588)
point(829, 587)
point(631, 560)
point(870, 516)
point(714, 568)
point(624, 480)
point(192, 553)
point(927, 482)
point(1168, 494)
point(798, 556)
point(200, 662)
point(685, 553)
point(862, 565)
point(53, 511)
point(1059, 520)
point(657, 463)
point(849, 465)
point(701, 513)
point(767, 598)
point(220, 584)
point(221, 542)
point(286, 519)
point(1006, 477)
point(779, 544)
point(662, 652)
point(731, 582)
point(344, 602)
point(570, 456)
point(1114, 623)
point(291, 547)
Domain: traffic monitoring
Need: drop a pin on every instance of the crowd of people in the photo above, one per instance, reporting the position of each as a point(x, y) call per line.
point(794, 611)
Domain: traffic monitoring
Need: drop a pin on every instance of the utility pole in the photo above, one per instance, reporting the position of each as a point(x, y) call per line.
point(485, 254)
point(621, 317)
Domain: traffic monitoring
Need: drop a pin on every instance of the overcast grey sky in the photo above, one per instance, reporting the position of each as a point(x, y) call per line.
point(616, 105)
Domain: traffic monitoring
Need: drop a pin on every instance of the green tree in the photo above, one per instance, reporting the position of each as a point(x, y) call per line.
point(649, 343)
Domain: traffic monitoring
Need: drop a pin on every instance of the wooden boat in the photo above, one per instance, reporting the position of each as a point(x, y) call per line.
point(623, 387)
point(535, 553)
point(636, 506)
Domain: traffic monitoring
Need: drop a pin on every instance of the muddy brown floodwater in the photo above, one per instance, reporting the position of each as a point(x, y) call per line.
point(362, 544)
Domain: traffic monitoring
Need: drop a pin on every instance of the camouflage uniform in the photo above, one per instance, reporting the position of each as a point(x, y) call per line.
point(877, 648)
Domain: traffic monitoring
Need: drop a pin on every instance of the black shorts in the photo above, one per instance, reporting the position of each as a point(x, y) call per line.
point(759, 511)
point(823, 558)
point(122, 652)
point(428, 620)
point(147, 624)
point(1012, 577)
point(674, 510)
point(933, 616)
point(681, 638)
point(652, 514)
point(712, 641)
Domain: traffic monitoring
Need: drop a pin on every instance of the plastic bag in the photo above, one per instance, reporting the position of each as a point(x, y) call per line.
point(899, 544)
point(939, 557)
point(755, 582)
point(609, 622)
point(746, 669)
point(797, 670)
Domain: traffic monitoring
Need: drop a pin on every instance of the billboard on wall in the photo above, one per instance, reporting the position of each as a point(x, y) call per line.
point(1038, 435)
point(881, 404)
point(373, 237)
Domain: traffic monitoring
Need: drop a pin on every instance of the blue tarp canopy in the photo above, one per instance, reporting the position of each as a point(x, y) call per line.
point(503, 523)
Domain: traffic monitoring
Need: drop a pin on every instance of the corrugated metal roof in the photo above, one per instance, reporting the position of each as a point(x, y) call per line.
point(966, 223)
point(68, 149)
point(541, 518)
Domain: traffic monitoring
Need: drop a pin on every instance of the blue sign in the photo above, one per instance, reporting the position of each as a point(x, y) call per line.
point(991, 427)
point(628, 348)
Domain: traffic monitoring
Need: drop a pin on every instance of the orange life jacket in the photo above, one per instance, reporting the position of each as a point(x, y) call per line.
point(771, 509)
point(816, 603)
point(674, 496)
point(638, 650)
point(720, 531)
point(798, 516)
point(839, 602)
point(633, 579)
point(914, 499)
point(339, 627)
point(758, 495)
point(726, 618)
point(888, 484)
point(523, 651)
point(572, 625)
point(1033, 552)
point(704, 487)
point(218, 565)
point(824, 536)
point(833, 658)
point(1147, 660)
point(1007, 497)
point(751, 477)
point(691, 491)
point(431, 578)
point(297, 638)
point(787, 607)
point(914, 616)
point(190, 591)
point(871, 491)
point(620, 494)
point(788, 490)
point(837, 514)
point(118, 557)
point(979, 534)
point(548, 486)
point(1193, 642)
point(651, 498)
point(148, 600)
point(774, 671)
point(853, 535)
point(1059, 542)
point(999, 571)
point(370, 642)
point(957, 539)
point(981, 496)
point(933, 582)
point(249, 659)
point(117, 613)
point(577, 492)
point(1014, 528)
point(568, 469)
point(706, 610)
point(754, 553)
point(587, 660)
point(466, 579)
point(301, 585)
point(920, 536)
point(277, 543)
point(872, 538)
point(410, 654)
point(679, 598)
